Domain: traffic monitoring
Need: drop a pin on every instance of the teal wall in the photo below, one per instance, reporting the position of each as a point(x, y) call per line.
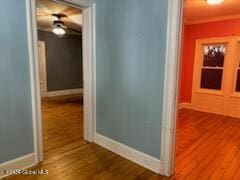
point(16, 136)
point(130, 54)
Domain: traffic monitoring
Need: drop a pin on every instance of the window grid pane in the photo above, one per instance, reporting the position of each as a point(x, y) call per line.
point(211, 79)
point(212, 69)
point(214, 55)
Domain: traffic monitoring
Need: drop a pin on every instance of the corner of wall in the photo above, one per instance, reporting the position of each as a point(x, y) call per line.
point(129, 153)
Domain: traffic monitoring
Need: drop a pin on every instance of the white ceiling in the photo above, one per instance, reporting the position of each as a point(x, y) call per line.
point(197, 11)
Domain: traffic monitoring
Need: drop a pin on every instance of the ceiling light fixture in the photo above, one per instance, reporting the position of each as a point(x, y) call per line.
point(214, 2)
point(59, 31)
point(58, 25)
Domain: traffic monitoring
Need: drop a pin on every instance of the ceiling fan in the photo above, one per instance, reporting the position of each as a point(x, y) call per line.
point(58, 18)
point(59, 26)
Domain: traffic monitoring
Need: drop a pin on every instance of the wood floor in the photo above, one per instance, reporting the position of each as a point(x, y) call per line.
point(208, 147)
point(68, 157)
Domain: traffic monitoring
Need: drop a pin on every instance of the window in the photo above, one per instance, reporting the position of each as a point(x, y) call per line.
point(212, 69)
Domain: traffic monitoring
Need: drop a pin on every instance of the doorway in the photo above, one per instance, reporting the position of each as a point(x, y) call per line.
point(61, 75)
point(88, 57)
point(208, 123)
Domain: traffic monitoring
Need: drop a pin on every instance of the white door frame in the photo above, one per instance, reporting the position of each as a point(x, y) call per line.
point(42, 44)
point(88, 71)
point(170, 95)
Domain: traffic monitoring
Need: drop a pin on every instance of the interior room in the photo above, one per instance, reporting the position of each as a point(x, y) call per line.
point(209, 90)
point(125, 54)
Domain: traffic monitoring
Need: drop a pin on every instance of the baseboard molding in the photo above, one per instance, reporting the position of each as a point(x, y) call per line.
point(23, 162)
point(184, 105)
point(131, 154)
point(64, 92)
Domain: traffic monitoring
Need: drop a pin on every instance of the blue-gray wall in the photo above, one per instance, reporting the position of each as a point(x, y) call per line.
point(16, 136)
point(130, 54)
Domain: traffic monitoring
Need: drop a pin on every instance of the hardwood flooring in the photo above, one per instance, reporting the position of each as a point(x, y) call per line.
point(68, 157)
point(208, 147)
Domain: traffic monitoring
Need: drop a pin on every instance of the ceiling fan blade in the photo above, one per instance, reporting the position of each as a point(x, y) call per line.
point(77, 31)
point(44, 22)
point(77, 19)
point(72, 25)
point(41, 12)
point(71, 11)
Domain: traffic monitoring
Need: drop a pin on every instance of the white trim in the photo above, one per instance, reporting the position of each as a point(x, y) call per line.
point(184, 105)
point(134, 155)
point(94, 91)
point(34, 79)
point(175, 10)
point(42, 44)
point(89, 72)
point(216, 19)
point(64, 92)
point(20, 163)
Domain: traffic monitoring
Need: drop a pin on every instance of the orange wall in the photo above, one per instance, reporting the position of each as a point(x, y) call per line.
point(193, 32)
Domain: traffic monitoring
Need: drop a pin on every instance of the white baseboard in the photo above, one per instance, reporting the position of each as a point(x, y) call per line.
point(136, 156)
point(64, 92)
point(23, 162)
point(184, 105)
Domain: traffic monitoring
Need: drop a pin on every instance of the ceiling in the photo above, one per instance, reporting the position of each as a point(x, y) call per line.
point(199, 11)
point(45, 9)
